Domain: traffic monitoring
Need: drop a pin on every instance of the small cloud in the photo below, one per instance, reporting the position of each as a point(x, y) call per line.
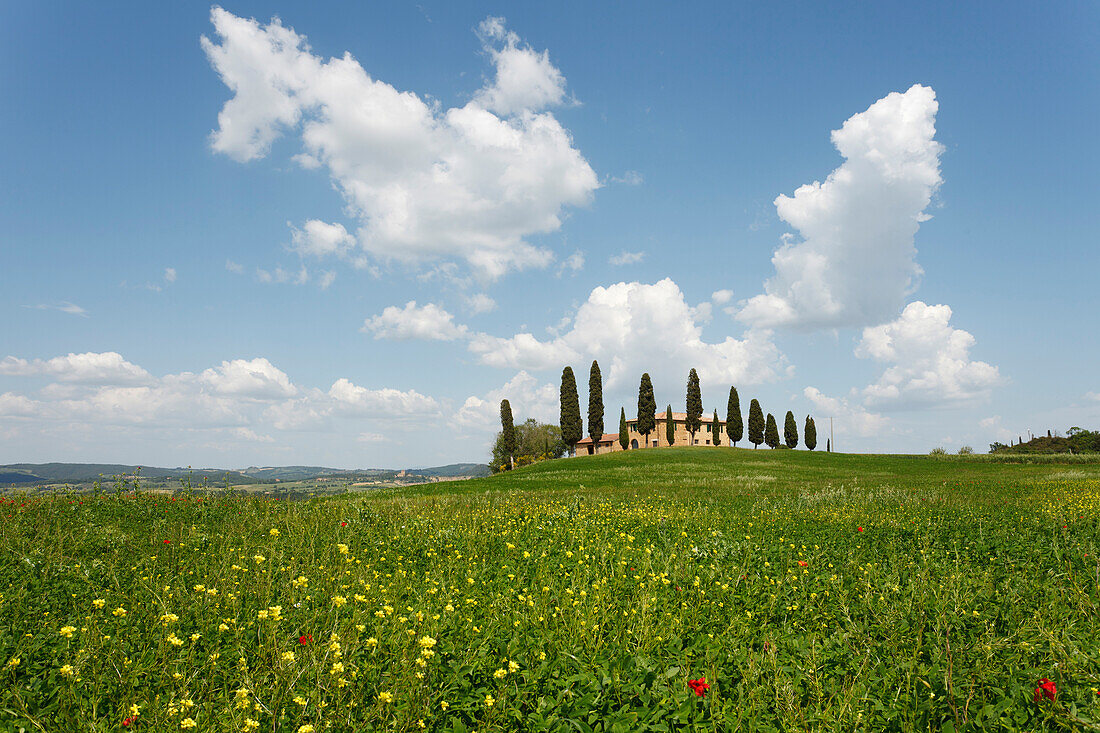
point(630, 178)
point(990, 422)
point(573, 263)
point(279, 276)
point(1094, 396)
point(232, 266)
point(170, 274)
point(480, 303)
point(371, 437)
point(327, 278)
point(64, 306)
point(626, 258)
point(721, 297)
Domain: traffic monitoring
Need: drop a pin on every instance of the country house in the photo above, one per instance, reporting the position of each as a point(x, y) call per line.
point(609, 443)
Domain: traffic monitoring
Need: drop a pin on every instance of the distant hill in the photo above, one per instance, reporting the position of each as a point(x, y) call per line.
point(77, 473)
point(454, 469)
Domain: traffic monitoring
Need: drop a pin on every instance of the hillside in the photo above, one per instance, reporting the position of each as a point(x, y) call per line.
point(677, 589)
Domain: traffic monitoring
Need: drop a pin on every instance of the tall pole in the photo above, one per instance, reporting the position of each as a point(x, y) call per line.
point(832, 443)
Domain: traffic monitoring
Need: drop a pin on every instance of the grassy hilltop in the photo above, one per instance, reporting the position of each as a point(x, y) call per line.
point(810, 591)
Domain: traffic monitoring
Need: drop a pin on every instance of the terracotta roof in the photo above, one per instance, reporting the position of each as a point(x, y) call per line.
point(607, 438)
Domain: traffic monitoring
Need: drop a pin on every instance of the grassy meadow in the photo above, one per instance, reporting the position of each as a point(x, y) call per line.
point(809, 591)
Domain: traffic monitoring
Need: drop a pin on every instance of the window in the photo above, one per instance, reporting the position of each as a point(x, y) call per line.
point(655, 444)
point(708, 442)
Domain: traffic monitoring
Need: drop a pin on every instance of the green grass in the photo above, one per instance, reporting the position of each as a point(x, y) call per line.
point(811, 591)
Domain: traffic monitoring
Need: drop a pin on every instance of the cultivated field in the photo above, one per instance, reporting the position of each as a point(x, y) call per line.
point(809, 591)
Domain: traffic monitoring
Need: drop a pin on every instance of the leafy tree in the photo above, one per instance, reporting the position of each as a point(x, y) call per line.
point(535, 441)
point(572, 429)
point(595, 403)
point(966, 450)
point(771, 432)
point(624, 434)
point(647, 408)
point(735, 428)
point(694, 406)
point(670, 426)
point(715, 430)
point(790, 430)
point(508, 432)
point(810, 433)
point(756, 424)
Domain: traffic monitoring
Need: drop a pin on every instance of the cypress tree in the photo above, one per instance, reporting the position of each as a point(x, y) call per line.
point(694, 406)
point(507, 431)
point(715, 430)
point(756, 424)
point(828, 446)
point(647, 408)
point(624, 436)
point(735, 428)
point(595, 403)
point(670, 426)
point(810, 433)
point(771, 432)
point(790, 430)
point(572, 429)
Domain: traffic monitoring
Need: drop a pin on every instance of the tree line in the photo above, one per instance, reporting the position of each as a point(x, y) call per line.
point(761, 429)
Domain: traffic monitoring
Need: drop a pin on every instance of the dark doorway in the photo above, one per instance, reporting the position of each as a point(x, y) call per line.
point(634, 443)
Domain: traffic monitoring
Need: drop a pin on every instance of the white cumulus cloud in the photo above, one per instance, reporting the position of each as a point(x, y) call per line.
point(90, 367)
point(638, 327)
point(257, 378)
point(855, 262)
point(426, 184)
point(429, 322)
point(527, 397)
point(929, 360)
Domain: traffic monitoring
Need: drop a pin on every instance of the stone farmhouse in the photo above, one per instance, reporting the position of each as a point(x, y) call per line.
point(609, 443)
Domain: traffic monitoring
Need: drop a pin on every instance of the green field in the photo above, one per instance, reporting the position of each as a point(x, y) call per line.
point(812, 592)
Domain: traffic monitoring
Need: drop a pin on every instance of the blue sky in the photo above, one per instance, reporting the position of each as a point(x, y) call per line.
point(208, 250)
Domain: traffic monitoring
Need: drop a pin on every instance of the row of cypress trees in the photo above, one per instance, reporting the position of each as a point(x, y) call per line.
point(760, 429)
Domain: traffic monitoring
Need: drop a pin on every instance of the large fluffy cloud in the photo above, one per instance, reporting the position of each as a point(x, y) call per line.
point(468, 183)
point(854, 263)
point(635, 327)
point(429, 322)
point(929, 360)
point(256, 378)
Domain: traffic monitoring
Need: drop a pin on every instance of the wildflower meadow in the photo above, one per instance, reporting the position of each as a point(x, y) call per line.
point(660, 590)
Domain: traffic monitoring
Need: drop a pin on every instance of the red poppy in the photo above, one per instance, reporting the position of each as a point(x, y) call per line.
point(699, 686)
point(802, 563)
point(343, 524)
point(1045, 689)
point(128, 722)
point(168, 542)
point(305, 639)
point(859, 529)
